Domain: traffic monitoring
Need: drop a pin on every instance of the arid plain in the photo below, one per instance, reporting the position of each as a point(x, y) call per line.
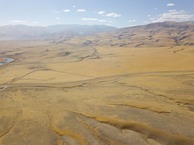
point(71, 94)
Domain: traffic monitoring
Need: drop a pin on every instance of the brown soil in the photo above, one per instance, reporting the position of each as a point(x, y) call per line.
point(96, 95)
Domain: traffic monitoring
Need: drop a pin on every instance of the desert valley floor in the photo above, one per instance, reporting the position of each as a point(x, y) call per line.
point(60, 94)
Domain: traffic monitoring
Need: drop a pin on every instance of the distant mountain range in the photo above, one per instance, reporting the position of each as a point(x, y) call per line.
point(155, 34)
point(151, 35)
point(55, 32)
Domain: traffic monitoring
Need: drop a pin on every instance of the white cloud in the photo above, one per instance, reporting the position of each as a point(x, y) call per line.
point(89, 19)
point(172, 11)
point(148, 15)
point(101, 12)
point(57, 18)
point(81, 10)
point(74, 6)
point(102, 20)
point(113, 15)
point(170, 5)
point(66, 11)
point(174, 15)
point(93, 19)
point(35, 22)
point(155, 9)
point(131, 21)
point(18, 21)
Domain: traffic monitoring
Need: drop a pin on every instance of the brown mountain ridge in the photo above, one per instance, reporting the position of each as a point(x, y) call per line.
point(151, 35)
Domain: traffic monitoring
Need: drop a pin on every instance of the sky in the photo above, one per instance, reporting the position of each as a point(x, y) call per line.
point(117, 13)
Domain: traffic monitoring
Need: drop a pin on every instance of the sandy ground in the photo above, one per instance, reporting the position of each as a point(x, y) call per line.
point(72, 95)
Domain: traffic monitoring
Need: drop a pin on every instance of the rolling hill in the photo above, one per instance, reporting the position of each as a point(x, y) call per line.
point(151, 35)
point(84, 88)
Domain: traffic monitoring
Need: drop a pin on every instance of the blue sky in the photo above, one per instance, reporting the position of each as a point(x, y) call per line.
point(118, 13)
